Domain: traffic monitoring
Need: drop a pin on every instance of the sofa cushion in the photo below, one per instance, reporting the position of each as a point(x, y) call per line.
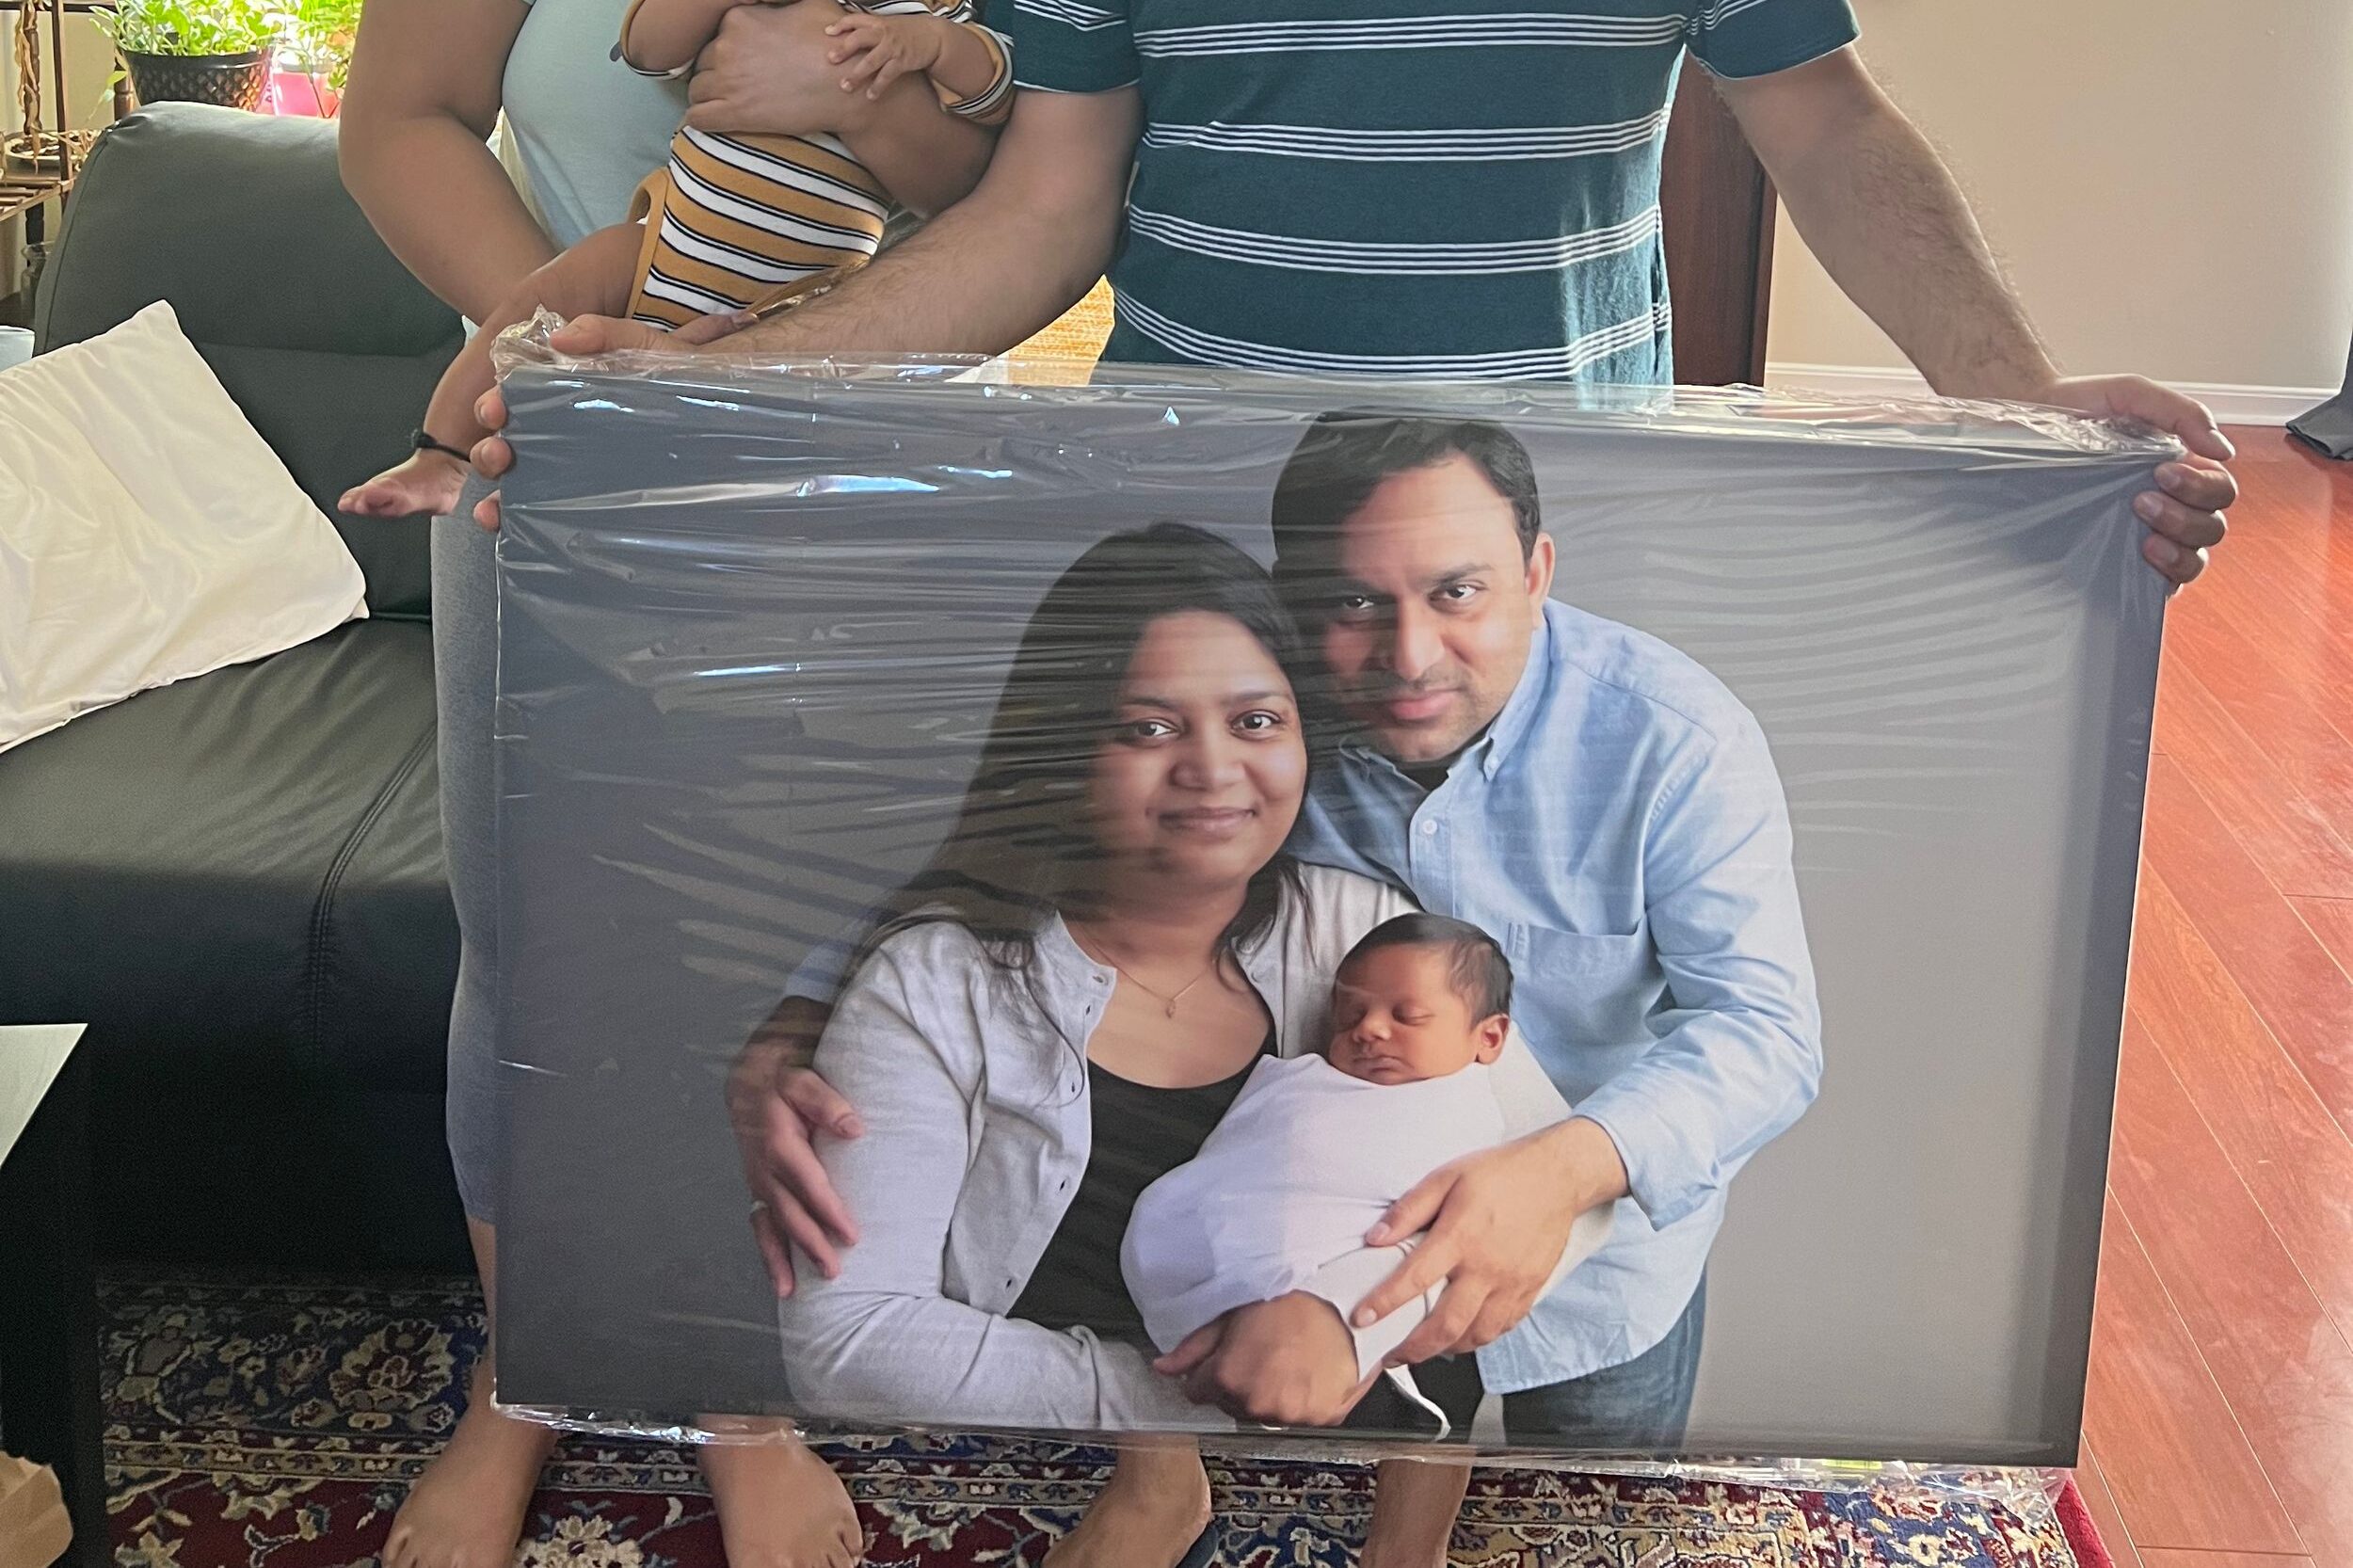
point(238, 880)
point(153, 535)
point(323, 339)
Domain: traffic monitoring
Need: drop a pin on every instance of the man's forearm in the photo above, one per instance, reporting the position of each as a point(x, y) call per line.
point(1889, 223)
point(984, 275)
point(1595, 1170)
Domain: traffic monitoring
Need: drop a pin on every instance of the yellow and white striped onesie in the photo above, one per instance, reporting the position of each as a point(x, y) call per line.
point(754, 221)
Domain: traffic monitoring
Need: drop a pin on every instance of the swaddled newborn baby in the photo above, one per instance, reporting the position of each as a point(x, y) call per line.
point(1315, 1148)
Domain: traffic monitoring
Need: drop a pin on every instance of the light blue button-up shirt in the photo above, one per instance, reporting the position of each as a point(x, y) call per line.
point(1622, 831)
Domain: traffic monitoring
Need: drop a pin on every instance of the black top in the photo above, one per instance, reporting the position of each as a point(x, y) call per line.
point(1139, 1135)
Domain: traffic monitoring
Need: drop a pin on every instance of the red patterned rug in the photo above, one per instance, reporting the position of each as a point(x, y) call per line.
point(276, 1425)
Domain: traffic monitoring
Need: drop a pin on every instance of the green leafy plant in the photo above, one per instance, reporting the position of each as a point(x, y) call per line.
point(188, 28)
point(318, 34)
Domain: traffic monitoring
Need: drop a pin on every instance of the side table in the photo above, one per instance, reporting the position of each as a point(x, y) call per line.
point(49, 1404)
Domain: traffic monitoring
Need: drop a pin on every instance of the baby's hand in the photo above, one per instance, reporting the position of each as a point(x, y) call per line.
point(882, 49)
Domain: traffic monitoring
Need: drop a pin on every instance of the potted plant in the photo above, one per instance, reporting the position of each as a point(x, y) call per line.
point(315, 58)
point(194, 51)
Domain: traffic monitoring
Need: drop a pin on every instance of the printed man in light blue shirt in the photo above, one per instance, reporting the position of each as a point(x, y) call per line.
point(1607, 810)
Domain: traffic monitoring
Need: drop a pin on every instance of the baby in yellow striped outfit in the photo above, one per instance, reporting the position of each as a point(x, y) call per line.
point(734, 224)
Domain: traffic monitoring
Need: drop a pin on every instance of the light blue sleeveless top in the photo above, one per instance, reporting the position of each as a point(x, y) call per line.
point(583, 128)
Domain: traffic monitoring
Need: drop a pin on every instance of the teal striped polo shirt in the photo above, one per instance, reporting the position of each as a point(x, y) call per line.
point(1455, 189)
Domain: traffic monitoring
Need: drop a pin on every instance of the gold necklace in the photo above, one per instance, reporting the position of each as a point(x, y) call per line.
point(1171, 1001)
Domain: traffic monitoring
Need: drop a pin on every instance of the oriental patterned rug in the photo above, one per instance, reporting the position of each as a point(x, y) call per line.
point(277, 1424)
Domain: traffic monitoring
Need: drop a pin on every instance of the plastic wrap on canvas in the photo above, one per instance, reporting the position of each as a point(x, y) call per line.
point(1186, 814)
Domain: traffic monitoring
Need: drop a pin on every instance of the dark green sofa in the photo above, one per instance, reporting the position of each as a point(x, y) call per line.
point(237, 880)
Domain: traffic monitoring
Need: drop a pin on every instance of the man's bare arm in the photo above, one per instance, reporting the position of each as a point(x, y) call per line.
point(1889, 223)
point(998, 265)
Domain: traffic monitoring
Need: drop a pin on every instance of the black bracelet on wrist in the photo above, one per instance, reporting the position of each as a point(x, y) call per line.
point(420, 441)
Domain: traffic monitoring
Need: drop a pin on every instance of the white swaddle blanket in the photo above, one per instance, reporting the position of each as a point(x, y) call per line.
point(1302, 1164)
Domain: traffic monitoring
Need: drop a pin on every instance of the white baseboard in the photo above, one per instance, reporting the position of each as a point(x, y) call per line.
point(2232, 405)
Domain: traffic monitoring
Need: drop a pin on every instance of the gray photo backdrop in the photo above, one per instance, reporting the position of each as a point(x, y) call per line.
point(753, 624)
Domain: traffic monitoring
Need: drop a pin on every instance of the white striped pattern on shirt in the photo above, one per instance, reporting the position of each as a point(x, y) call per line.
point(767, 166)
point(1475, 258)
point(741, 259)
point(1435, 146)
point(1082, 19)
point(661, 285)
point(1713, 16)
point(1488, 31)
point(1518, 364)
point(773, 220)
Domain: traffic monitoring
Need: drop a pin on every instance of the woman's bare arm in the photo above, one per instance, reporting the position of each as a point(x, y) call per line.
point(417, 117)
point(664, 36)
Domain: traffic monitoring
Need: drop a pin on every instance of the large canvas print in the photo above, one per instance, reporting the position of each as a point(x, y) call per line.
point(1299, 911)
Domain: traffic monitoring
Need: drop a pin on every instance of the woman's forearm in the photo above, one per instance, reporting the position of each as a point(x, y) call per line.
point(439, 198)
point(664, 34)
point(864, 1354)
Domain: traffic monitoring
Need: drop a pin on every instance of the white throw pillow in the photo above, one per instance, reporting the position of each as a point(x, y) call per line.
point(148, 534)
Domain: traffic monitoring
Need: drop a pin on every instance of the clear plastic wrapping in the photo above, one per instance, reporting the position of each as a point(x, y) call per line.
point(1081, 755)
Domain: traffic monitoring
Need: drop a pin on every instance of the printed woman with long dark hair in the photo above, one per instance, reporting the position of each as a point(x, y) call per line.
point(1058, 1011)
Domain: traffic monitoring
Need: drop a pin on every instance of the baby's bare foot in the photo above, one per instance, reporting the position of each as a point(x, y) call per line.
point(427, 484)
point(466, 1510)
point(780, 1506)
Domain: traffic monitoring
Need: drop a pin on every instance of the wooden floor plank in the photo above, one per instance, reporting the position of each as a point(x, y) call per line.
point(2294, 1158)
point(2222, 1138)
point(2278, 712)
point(2293, 523)
point(2287, 837)
point(2181, 1471)
point(2273, 1353)
point(2330, 919)
point(2296, 988)
point(2093, 1484)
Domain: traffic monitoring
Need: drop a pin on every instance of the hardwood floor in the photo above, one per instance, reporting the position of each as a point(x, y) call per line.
point(2219, 1418)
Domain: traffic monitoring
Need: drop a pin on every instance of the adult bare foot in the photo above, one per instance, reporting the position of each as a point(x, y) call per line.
point(1414, 1506)
point(427, 484)
point(780, 1506)
point(1149, 1515)
point(466, 1510)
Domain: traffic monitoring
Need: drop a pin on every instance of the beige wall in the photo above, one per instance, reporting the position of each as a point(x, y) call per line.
point(2170, 183)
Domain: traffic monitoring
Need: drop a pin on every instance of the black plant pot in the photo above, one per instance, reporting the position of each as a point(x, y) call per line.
point(233, 80)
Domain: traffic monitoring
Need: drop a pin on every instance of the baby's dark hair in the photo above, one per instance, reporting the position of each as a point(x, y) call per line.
point(1481, 975)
